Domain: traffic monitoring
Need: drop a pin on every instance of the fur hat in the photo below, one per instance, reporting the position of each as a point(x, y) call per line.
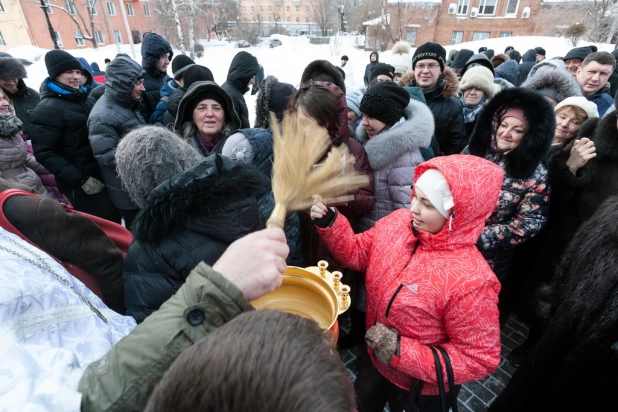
point(323, 71)
point(11, 68)
point(148, 156)
point(385, 102)
point(401, 59)
point(498, 59)
point(581, 102)
point(481, 78)
point(59, 61)
point(180, 64)
point(552, 81)
point(272, 97)
point(432, 51)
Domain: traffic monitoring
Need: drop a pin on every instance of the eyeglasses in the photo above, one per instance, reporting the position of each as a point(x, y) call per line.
point(431, 66)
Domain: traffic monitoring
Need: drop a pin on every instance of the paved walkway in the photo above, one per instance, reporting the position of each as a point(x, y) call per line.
point(474, 396)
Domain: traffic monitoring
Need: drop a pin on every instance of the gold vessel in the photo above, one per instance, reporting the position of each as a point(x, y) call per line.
point(313, 293)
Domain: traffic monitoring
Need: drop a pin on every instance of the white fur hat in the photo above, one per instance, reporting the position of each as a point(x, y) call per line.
point(401, 59)
point(581, 102)
point(481, 78)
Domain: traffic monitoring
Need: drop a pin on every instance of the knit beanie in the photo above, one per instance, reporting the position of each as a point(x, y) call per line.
point(238, 148)
point(203, 95)
point(59, 61)
point(578, 53)
point(382, 68)
point(344, 57)
point(481, 78)
point(489, 53)
point(353, 99)
point(385, 102)
point(180, 64)
point(482, 49)
point(436, 189)
point(279, 98)
point(432, 51)
point(581, 102)
point(148, 156)
point(509, 48)
point(540, 50)
point(196, 73)
point(517, 113)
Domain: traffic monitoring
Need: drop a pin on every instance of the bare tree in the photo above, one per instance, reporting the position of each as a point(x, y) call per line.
point(403, 13)
point(322, 12)
point(575, 33)
point(85, 27)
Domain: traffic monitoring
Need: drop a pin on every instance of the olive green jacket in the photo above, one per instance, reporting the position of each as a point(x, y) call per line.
point(124, 379)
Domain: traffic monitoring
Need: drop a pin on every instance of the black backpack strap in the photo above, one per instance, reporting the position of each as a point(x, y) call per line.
point(440, 377)
point(451, 377)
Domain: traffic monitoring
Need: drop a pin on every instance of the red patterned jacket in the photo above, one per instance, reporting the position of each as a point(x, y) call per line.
point(432, 288)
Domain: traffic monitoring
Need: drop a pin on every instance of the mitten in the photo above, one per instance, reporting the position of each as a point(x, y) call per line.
point(383, 340)
point(92, 186)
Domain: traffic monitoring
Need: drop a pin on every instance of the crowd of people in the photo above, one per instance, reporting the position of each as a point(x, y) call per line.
point(133, 205)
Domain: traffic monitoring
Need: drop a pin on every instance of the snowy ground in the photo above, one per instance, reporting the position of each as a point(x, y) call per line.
point(288, 61)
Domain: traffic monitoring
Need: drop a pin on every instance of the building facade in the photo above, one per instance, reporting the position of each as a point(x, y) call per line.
point(14, 30)
point(295, 15)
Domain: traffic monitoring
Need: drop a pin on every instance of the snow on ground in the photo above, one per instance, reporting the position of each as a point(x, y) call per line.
point(288, 61)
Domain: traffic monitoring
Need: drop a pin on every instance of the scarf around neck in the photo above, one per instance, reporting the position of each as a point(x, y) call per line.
point(208, 145)
point(470, 112)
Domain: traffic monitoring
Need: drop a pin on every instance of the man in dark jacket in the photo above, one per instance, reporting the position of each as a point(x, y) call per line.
point(439, 86)
point(156, 56)
point(593, 75)
point(241, 75)
point(196, 73)
point(374, 59)
point(113, 116)
point(613, 79)
point(60, 137)
point(180, 65)
point(529, 60)
point(12, 73)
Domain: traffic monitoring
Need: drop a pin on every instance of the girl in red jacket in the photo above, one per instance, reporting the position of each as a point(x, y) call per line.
point(427, 284)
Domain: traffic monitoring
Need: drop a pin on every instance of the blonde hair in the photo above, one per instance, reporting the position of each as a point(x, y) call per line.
point(580, 114)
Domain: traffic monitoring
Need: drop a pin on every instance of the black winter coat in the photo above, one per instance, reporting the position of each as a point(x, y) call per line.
point(113, 116)
point(59, 135)
point(243, 67)
point(153, 47)
point(447, 111)
point(173, 104)
point(24, 101)
point(190, 218)
point(370, 67)
point(528, 62)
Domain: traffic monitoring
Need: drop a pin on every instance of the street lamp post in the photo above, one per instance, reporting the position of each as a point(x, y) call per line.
point(52, 33)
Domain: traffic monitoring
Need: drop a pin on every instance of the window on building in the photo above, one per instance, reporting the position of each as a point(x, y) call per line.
point(287, 8)
point(297, 9)
point(79, 38)
point(118, 35)
point(507, 34)
point(457, 37)
point(71, 7)
point(306, 8)
point(270, 19)
point(480, 35)
point(1, 8)
point(92, 7)
point(2, 42)
point(411, 37)
point(287, 19)
point(462, 7)
point(244, 9)
point(278, 8)
point(511, 7)
point(111, 8)
point(98, 35)
point(487, 7)
point(49, 10)
point(58, 39)
point(252, 19)
point(130, 11)
point(298, 20)
point(261, 8)
point(269, 8)
point(306, 19)
point(147, 10)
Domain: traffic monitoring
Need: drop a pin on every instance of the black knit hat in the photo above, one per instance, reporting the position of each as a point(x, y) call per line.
point(385, 102)
point(482, 49)
point(508, 48)
point(180, 64)
point(432, 51)
point(382, 68)
point(344, 57)
point(59, 61)
point(578, 53)
point(540, 50)
point(197, 73)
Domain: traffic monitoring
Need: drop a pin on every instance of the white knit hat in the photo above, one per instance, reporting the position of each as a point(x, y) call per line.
point(238, 148)
point(436, 189)
point(581, 102)
point(481, 78)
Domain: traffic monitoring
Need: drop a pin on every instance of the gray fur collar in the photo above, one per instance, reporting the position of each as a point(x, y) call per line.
point(389, 145)
point(9, 125)
point(552, 78)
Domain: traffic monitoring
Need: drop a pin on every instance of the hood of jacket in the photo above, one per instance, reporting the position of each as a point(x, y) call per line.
point(448, 80)
point(551, 64)
point(261, 141)
point(326, 67)
point(96, 70)
point(203, 195)
point(550, 77)
point(521, 162)
point(169, 87)
point(509, 71)
point(461, 59)
point(243, 67)
point(504, 84)
point(50, 88)
point(529, 56)
point(273, 96)
point(377, 56)
point(232, 122)
point(413, 134)
point(153, 47)
point(478, 59)
point(86, 70)
point(122, 74)
point(475, 185)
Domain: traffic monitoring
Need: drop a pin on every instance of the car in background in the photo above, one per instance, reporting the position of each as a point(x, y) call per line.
point(274, 43)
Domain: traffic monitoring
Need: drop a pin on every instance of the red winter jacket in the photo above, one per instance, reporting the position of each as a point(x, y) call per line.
point(433, 288)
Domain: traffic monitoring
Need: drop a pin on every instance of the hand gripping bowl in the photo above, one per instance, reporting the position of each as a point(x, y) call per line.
point(312, 293)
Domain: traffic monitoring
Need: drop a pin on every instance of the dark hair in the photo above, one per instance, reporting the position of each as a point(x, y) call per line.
point(261, 361)
point(601, 58)
point(319, 102)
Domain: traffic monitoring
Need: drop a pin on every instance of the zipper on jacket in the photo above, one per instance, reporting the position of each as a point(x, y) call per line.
point(390, 303)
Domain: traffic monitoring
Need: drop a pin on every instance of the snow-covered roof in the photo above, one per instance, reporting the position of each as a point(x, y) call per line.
point(378, 20)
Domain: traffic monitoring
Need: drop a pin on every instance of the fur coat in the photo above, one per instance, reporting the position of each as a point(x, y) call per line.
point(447, 111)
point(393, 155)
point(548, 76)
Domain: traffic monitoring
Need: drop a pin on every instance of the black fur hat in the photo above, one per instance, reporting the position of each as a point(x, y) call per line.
point(11, 68)
point(323, 71)
point(522, 161)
